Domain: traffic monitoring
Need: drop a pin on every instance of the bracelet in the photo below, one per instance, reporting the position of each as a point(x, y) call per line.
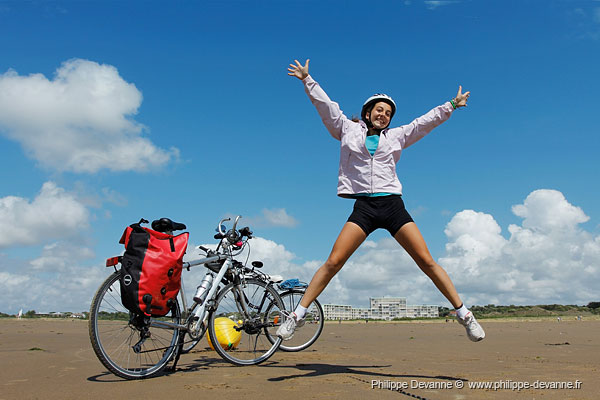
point(453, 104)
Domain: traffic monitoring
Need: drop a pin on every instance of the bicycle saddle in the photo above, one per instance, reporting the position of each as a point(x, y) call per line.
point(166, 225)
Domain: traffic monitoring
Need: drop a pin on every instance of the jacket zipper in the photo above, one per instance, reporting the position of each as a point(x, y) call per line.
point(372, 174)
point(372, 158)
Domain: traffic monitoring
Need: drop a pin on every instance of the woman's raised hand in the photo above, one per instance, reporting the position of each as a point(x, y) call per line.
point(461, 98)
point(298, 70)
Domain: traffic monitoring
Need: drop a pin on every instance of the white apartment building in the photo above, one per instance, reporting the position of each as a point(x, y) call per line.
point(424, 311)
point(360, 313)
point(337, 312)
point(384, 308)
point(388, 307)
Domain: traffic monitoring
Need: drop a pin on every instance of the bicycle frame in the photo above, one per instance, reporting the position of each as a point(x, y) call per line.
point(199, 312)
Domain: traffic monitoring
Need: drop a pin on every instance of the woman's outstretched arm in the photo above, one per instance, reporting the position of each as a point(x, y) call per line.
point(418, 128)
point(333, 118)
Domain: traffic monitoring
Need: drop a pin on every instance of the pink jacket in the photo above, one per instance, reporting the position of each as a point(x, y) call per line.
point(360, 172)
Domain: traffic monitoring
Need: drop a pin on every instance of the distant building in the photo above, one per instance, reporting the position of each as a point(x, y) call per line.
point(383, 308)
point(335, 311)
point(360, 313)
point(388, 307)
point(51, 314)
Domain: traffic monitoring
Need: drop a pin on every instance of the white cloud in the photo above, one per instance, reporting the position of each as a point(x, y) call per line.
point(433, 4)
point(548, 210)
point(67, 291)
point(584, 22)
point(59, 256)
point(53, 214)
point(418, 211)
point(277, 217)
point(65, 286)
point(547, 259)
point(472, 248)
point(79, 121)
point(96, 197)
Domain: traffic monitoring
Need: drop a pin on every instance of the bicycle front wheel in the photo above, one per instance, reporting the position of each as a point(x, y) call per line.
point(129, 346)
point(242, 317)
point(314, 320)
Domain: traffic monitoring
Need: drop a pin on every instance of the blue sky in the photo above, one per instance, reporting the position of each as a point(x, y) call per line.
point(113, 111)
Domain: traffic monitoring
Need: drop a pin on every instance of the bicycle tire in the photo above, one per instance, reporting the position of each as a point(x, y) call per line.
point(113, 335)
point(189, 344)
point(254, 346)
point(314, 319)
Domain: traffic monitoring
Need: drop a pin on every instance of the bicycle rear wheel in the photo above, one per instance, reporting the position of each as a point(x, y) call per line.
point(115, 332)
point(239, 337)
point(314, 320)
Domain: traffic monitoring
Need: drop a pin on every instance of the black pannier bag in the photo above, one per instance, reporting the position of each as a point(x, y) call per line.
point(151, 270)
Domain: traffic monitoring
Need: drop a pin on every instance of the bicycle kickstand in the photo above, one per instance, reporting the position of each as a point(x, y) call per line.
point(173, 368)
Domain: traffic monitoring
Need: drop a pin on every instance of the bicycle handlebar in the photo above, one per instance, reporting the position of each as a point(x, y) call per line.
point(220, 227)
point(236, 221)
point(233, 236)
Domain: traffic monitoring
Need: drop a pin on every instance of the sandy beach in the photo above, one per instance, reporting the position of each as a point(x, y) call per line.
point(53, 359)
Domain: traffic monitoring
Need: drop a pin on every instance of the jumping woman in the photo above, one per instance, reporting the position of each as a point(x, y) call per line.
point(367, 173)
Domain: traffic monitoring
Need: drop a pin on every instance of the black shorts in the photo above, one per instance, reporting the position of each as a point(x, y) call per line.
point(386, 212)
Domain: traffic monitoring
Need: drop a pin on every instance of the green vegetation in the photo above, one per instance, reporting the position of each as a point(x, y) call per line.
point(444, 311)
point(594, 305)
point(410, 319)
point(123, 316)
point(544, 310)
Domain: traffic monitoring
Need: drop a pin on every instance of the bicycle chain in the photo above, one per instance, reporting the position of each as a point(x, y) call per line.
point(414, 396)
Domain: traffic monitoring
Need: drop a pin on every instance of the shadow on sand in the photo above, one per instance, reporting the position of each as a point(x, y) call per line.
point(196, 365)
point(314, 370)
point(304, 370)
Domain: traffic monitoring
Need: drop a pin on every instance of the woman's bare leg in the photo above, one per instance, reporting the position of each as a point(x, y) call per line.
point(349, 239)
point(411, 239)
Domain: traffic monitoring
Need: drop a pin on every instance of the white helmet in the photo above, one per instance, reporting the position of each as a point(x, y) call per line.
point(375, 99)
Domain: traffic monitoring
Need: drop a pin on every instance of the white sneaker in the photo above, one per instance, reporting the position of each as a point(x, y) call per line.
point(474, 330)
point(286, 330)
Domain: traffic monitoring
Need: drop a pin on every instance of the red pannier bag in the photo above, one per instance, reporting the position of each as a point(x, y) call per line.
point(151, 270)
